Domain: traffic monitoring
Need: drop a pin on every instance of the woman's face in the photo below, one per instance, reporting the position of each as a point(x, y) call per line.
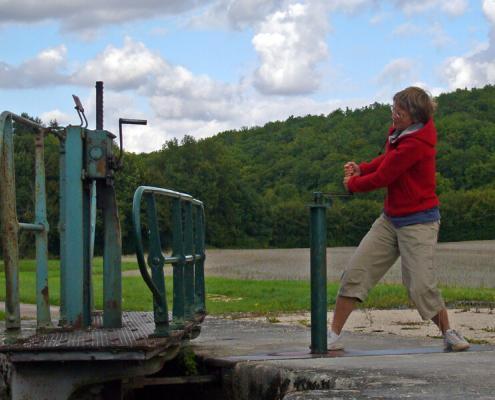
point(400, 117)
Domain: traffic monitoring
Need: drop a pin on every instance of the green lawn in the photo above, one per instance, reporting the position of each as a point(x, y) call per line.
point(229, 296)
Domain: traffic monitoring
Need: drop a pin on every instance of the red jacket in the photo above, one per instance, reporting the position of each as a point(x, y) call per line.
point(407, 169)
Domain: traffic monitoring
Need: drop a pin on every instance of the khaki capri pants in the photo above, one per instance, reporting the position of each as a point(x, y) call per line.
point(379, 250)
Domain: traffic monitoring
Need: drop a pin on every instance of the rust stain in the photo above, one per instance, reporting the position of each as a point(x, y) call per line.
point(101, 167)
point(112, 304)
point(78, 322)
point(44, 293)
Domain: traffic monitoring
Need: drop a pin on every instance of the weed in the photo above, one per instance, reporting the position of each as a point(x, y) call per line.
point(410, 323)
point(477, 341)
point(368, 315)
point(187, 361)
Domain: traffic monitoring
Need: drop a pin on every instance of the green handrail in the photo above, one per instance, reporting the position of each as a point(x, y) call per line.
point(188, 255)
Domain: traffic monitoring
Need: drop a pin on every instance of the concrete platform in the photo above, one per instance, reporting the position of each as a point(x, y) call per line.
point(260, 360)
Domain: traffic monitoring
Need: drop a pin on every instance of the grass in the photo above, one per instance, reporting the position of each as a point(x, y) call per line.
point(54, 265)
point(240, 296)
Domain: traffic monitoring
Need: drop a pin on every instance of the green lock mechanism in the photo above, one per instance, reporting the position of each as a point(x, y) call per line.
point(88, 167)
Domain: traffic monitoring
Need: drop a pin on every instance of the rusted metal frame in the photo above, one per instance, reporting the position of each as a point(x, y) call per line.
point(189, 261)
point(23, 226)
point(87, 257)
point(199, 262)
point(178, 312)
point(9, 224)
point(92, 235)
point(178, 258)
point(112, 254)
point(43, 318)
point(156, 262)
point(62, 233)
point(136, 222)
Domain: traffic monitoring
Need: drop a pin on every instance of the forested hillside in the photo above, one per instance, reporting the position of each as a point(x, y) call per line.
point(256, 183)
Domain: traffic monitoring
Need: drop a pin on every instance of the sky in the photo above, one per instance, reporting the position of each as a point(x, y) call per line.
point(198, 68)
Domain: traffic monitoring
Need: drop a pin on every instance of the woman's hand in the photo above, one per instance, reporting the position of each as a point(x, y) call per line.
point(351, 169)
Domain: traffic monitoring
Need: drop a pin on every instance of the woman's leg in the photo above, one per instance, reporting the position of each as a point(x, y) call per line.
point(343, 308)
point(374, 256)
point(417, 248)
point(442, 320)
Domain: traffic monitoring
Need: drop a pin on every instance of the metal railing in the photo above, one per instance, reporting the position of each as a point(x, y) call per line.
point(187, 258)
point(10, 226)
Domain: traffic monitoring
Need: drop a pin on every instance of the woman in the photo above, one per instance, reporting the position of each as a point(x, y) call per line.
point(410, 221)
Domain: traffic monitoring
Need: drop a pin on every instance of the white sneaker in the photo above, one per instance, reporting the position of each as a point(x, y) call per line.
point(454, 341)
point(334, 341)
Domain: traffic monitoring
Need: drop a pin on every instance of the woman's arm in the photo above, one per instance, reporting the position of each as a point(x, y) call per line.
point(392, 165)
point(372, 166)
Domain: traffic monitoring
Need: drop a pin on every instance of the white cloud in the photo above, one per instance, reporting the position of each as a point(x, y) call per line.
point(407, 29)
point(434, 32)
point(43, 70)
point(83, 15)
point(397, 72)
point(236, 14)
point(290, 44)
point(62, 118)
point(239, 14)
point(439, 38)
point(129, 67)
point(379, 18)
point(489, 10)
point(453, 8)
point(478, 67)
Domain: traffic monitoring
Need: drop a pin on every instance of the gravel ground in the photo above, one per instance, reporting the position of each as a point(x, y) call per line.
point(476, 324)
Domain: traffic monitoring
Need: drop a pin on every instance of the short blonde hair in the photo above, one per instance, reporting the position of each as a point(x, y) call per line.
point(417, 102)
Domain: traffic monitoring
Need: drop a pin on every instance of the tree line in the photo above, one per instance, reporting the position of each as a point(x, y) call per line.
point(257, 182)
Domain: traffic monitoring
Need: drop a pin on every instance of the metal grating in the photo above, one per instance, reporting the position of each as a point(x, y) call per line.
point(133, 336)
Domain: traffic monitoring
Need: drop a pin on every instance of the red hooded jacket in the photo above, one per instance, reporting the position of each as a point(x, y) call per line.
point(407, 169)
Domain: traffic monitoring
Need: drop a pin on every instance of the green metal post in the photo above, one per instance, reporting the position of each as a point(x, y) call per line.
point(199, 262)
point(189, 265)
point(318, 242)
point(72, 246)
point(9, 224)
point(112, 269)
point(87, 256)
point(156, 261)
point(42, 294)
point(178, 267)
point(61, 230)
point(92, 227)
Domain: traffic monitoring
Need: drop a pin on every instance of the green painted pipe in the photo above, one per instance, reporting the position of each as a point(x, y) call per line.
point(318, 265)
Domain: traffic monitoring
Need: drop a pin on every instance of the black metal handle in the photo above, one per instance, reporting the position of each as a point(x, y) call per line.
point(126, 121)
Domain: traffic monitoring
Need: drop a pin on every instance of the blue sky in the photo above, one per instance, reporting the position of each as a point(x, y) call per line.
point(200, 67)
